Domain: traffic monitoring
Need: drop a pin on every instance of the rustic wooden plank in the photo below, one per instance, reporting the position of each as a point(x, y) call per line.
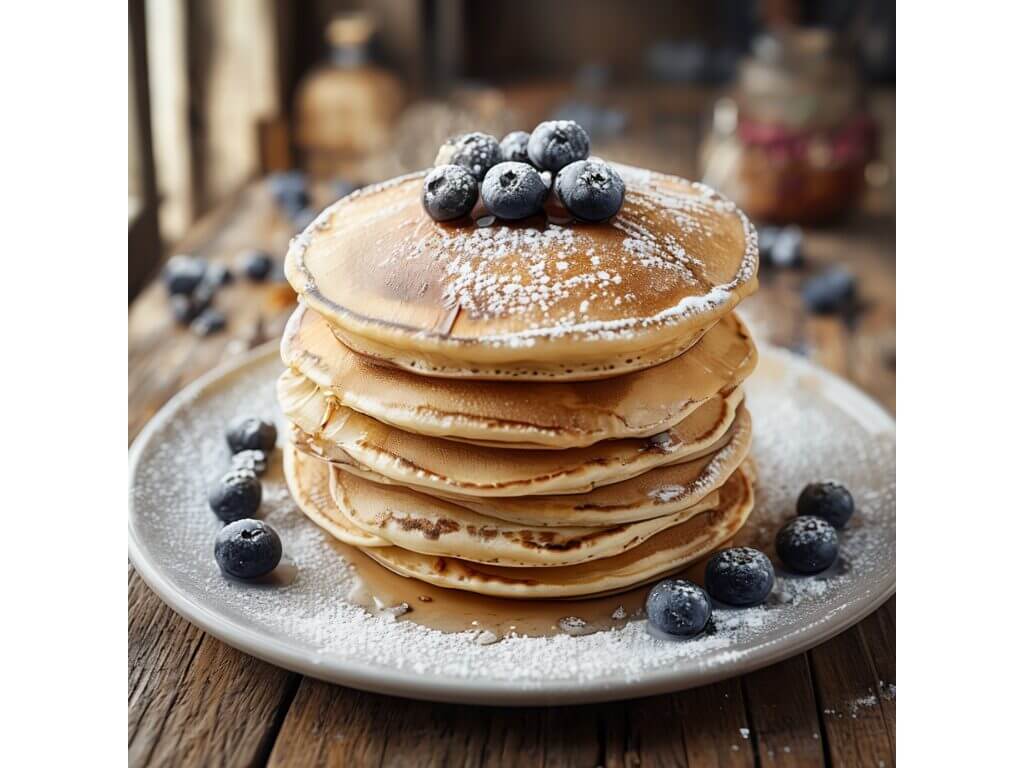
point(784, 726)
point(846, 689)
point(713, 719)
point(191, 699)
point(878, 632)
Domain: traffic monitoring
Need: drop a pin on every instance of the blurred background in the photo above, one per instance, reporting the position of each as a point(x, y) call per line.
point(247, 117)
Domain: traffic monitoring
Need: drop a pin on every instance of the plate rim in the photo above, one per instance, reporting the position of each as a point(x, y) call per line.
point(432, 687)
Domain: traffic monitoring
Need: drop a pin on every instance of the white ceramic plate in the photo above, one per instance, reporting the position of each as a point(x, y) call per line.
point(808, 425)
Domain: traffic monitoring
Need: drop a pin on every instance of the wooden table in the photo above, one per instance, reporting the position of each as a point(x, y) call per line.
point(194, 701)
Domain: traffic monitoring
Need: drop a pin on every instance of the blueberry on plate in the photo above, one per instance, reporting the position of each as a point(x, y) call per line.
point(513, 191)
point(236, 495)
point(590, 189)
point(449, 192)
point(252, 434)
point(556, 143)
point(807, 544)
point(247, 549)
point(183, 273)
point(476, 152)
point(252, 459)
point(740, 576)
point(210, 321)
point(678, 607)
point(829, 292)
point(256, 264)
point(513, 147)
point(828, 500)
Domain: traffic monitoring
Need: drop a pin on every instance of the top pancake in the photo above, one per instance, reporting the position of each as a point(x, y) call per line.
point(531, 299)
point(521, 413)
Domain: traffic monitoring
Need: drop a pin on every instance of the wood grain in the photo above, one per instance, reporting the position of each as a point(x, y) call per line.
point(191, 699)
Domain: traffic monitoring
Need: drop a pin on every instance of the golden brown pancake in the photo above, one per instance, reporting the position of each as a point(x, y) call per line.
point(421, 523)
point(517, 413)
point(449, 467)
point(661, 554)
point(532, 299)
point(308, 480)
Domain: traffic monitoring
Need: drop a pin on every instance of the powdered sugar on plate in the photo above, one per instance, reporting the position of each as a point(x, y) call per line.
point(806, 426)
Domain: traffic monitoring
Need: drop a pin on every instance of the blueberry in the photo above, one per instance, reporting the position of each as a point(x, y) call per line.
point(183, 273)
point(739, 576)
point(513, 191)
point(807, 544)
point(289, 190)
point(211, 320)
point(476, 152)
point(787, 250)
point(828, 500)
point(256, 264)
point(218, 275)
point(766, 237)
point(678, 607)
point(829, 292)
point(556, 143)
point(252, 434)
point(253, 460)
point(183, 309)
point(590, 189)
point(247, 549)
point(513, 147)
point(236, 495)
point(449, 192)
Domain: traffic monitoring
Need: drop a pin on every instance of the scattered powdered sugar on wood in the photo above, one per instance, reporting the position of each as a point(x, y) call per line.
point(798, 437)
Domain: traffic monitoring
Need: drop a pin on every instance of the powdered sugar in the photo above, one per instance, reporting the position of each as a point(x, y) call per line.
point(806, 428)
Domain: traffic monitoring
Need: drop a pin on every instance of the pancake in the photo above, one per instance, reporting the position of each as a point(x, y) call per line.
point(522, 414)
point(432, 526)
point(662, 491)
point(661, 554)
point(449, 467)
point(530, 299)
point(309, 482)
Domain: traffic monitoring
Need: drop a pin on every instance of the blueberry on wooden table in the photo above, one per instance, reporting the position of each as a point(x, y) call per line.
point(236, 495)
point(556, 143)
point(513, 191)
point(183, 308)
point(590, 190)
point(829, 292)
point(449, 192)
point(252, 434)
point(828, 500)
point(247, 549)
point(256, 264)
point(807, 544)
point(289, 190)
point(678, 607)
point(513, 147)
point(210, 321)
point(183, 273)
point(740, 576)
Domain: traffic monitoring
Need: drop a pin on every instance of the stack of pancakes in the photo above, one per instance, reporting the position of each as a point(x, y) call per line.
point(544, 408)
